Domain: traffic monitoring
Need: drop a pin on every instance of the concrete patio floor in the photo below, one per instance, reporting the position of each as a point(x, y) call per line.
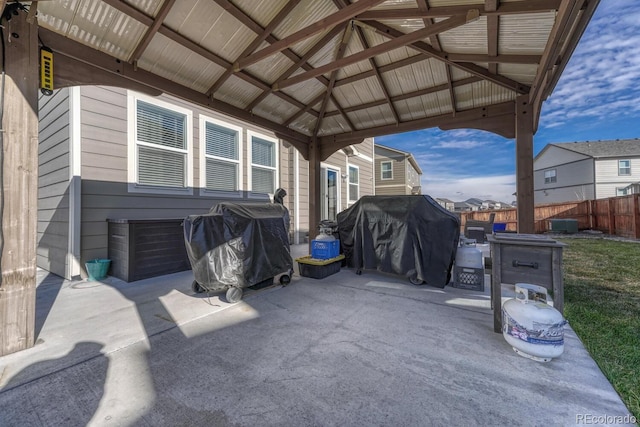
point(346, 350)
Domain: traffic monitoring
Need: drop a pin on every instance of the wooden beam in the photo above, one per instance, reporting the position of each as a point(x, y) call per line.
point(315, 176)
point(263, 33)
point(470, 68)
point(493, 31)
point(337, 18)
point(529, 6)
point(409, 95)
point(178, 38)
point(394, 43)
point(379, 78)
point(298, 64)
point(505, 109)
point(67, 48)
point(19, 184)
point(151, 31)
point(524, 165)
point(342, 48)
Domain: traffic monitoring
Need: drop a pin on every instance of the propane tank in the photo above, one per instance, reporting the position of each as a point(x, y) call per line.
point(468, 256)
point(531, 326)
point(325, 231)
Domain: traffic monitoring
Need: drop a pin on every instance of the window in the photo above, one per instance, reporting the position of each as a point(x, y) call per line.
point(624, 167)
point(622, 191)
point(386, 170)
point(264, 163)
point(354, 183)
point(159, 148)
point(549, 176)
point(220, 152)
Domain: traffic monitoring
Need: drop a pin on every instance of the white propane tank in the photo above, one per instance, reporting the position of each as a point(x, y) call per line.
point(531, 326)
point(468, 256)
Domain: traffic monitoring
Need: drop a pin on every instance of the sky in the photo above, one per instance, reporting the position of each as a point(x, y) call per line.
point(597, 98)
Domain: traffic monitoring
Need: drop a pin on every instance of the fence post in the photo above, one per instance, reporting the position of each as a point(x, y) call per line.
point(636, 216)
point(612, 216)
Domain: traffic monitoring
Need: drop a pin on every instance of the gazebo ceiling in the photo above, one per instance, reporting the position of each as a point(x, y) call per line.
point(331, 69)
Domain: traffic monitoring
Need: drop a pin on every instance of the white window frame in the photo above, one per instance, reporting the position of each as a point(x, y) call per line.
point(552, 177)
point(250, 135)
point(349, 184)
point(626, 167)
point(204, 191)
point(622, 191)
point(132, 175)
point(382, 171)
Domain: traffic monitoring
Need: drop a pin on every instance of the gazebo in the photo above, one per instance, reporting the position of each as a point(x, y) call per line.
point(321, 74)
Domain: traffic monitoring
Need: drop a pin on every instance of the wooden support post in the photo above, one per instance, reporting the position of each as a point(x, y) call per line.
point(314, 189)
point(19, 186)
point(524, 165)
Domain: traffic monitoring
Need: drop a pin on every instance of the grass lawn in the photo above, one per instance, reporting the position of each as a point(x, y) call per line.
point(602, 305)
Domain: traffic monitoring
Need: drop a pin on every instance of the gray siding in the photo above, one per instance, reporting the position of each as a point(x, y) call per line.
point(397, 185)
point(53, 183)
point(105, 193)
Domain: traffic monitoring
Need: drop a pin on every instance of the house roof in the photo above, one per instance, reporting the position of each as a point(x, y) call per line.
point(406, 154)
point(331, 71)
point(440, 199)
point(601, 149)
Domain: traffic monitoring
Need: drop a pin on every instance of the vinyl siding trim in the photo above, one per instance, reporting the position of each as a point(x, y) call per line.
point(74, 268)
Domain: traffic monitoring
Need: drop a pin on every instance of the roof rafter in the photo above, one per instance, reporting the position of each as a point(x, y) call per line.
point(348, 32)
point(378, 76)
point(151, 31)
point(262, 35)
point(529, 6)
point(337, 18)
point(82, 54)
point(164, 30)
point(394, 43)
point(468, 67)
point(435, 42)
point(493, 30)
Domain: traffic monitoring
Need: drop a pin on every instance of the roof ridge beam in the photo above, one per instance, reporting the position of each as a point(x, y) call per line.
point(394, 43)
point(337, 18)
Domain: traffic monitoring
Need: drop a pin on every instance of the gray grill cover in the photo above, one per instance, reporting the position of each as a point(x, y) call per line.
point(407, 235)
point(238, 244)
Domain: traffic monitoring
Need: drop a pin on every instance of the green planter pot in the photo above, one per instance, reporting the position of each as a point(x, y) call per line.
point(97, 268)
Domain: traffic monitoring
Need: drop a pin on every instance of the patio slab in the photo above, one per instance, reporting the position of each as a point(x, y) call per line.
point(346, 350)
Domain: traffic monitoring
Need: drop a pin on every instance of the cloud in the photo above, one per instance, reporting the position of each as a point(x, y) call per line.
point(499, 187)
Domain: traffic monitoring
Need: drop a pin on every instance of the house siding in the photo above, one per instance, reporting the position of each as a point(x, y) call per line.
point(580, 177)
point(53, 183)
point(574, 181)
point(385, 186)
point(102, 116)
point(608, 179)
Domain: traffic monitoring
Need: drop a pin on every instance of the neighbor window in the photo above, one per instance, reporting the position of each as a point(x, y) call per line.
point(222, 148)
point(354, 183)
point(622, 191)
point(549, 176)
point(263, 164)
point(386, 170)
point(160, 151)
point(624, 167)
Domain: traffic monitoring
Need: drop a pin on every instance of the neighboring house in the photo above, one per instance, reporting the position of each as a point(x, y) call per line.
point(465, 207)
point(446, 203)
point(586, 170)
point(112, 154)
point(396, 172)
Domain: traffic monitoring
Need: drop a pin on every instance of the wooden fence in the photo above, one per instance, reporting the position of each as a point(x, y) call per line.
point(616, 215)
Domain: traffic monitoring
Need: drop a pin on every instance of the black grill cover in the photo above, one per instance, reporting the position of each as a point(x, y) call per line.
point(405, 235)
point(238, 244)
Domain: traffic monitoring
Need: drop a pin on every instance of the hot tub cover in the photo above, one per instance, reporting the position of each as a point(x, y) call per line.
point(238, 244)
point(407, 235)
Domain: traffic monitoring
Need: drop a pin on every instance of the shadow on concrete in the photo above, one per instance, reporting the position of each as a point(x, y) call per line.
point(46, 293)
